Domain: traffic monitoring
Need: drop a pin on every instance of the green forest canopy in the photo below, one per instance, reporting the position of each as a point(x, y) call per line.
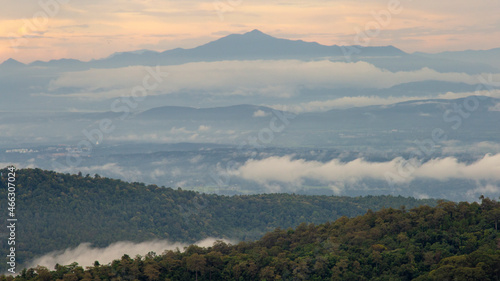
point(453, 241)
point(57, 211)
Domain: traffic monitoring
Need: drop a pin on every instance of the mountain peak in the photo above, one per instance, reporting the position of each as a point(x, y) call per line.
point(234, 42)
point(12, 62)
point(255, 32)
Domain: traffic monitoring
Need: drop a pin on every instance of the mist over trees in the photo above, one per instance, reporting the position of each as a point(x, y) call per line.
point(65, 210)
point(452, 241)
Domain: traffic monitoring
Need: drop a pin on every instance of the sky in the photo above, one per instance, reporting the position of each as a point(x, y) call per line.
point(91, 29)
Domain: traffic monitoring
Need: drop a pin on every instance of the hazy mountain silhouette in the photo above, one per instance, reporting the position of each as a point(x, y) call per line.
point(256, 45)
point(491, 56)
point(248, 46)
point(11, 63)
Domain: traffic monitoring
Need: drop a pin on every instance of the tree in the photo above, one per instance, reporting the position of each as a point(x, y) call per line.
point(43, 273)
point(494, 216)
point(152, 270)
point(268, 273)
point(196, 263)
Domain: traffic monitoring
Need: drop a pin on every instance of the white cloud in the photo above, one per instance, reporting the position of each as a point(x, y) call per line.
point(180, 184)
point(487, 189)
point(344, 102)
point(419, 195)
point(491, 146)
point(359, 101)
point(294, 171)
point(288, 170)
point(174, 130)
point(277, 78)
point(158, 173)
point(489, 93)
point(196, 159)
point(486, 168)
point(260, 113)
point(154, 137)
point(86, 255)
point(203, 128)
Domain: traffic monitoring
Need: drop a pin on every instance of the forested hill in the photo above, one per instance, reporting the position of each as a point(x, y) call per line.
point(56, 211)
point(448, 242)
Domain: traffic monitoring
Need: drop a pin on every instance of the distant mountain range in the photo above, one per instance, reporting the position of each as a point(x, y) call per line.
point(318, 128)
point(256, 45)
point(249, 46)
point(491, 57)
point(28, 89)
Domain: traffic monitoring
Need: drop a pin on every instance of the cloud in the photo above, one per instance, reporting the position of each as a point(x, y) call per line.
point(196, 159)
point(203, 128)
point(175, 135)
point(359, 101)
point(175, 131)
point(486, 168)
point(294, 171)
point(86, 255)
point(158, 173)
point(487, 189)
point(419, 195)
point(287, 170)
point(260, 113)
point(488, 145)
point(344, 102)
point(153, 137)
point(495, 108)
point(270, 78)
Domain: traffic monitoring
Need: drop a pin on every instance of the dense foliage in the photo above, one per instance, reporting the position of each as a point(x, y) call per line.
point(56, 211)
point(448, 242)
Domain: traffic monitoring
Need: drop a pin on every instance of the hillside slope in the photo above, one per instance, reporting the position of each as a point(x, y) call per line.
point(56, 211)
point(448, 242)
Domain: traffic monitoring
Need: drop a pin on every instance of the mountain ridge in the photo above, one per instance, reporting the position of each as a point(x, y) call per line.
point(255, 38)
point(256, 45)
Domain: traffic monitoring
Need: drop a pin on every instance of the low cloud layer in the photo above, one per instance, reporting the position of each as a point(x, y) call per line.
point(86, 255)
point(294, 171)
point(281, 78)
point(359, 101)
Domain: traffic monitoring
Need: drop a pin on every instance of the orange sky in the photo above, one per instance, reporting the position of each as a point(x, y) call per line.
point(94, 29)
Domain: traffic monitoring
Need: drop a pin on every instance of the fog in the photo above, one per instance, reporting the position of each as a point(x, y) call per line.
point(244, 78)
point(85, 254)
